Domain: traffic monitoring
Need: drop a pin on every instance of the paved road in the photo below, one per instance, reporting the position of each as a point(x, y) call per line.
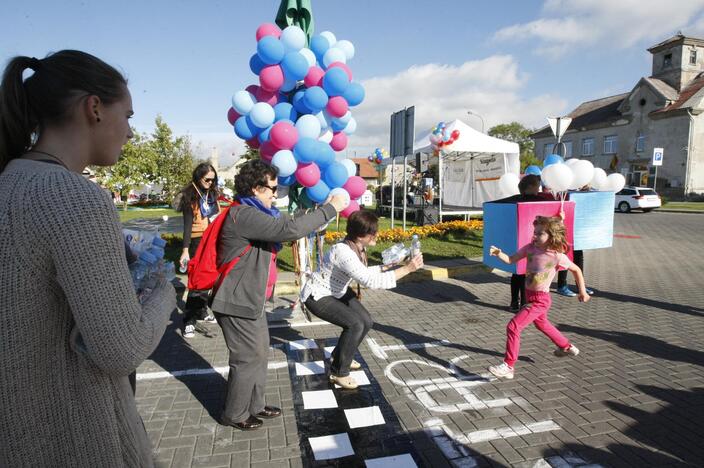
point(633, 397)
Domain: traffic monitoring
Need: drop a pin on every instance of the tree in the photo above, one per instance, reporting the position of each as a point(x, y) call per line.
point(250, 153)
point(517, 133)
point(135, 167)
point(174, 159)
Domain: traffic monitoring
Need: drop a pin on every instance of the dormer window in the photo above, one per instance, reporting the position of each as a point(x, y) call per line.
point(693, 57)
point(667, 61)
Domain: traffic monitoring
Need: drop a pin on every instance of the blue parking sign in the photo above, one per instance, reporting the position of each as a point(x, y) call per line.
point(657, 156)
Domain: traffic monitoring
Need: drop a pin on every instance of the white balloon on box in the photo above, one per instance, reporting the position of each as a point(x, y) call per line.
point(615, 182)
point(598, 179)
point(571, 161)
point(508, 184)
point(583, 173)
point(557, 177)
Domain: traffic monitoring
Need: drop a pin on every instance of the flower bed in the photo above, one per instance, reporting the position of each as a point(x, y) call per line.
point(399, 235)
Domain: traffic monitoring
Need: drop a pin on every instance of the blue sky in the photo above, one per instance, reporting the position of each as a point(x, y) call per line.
point(507, 60)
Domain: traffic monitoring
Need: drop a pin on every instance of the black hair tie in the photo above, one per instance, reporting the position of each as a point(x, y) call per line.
point(35, 64)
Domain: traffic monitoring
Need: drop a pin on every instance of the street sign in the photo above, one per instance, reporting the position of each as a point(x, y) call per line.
point(559, 125)
point(657, 156)
point(402, 123)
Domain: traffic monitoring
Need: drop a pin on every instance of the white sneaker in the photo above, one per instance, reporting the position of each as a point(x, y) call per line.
point(208, 319)
point(189, 331)
point(502, 371)
point(571, 351)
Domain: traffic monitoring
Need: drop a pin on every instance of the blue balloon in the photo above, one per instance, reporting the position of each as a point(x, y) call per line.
point(306, 150)
point(326, 155)
point(270, 50)
point(295, 66)
point(285, 162)
point(337, 126)
point(288, 180)
point(285, 111)
point(533, 170)
point(319, 45)
point(335, 175)
point(319, 192)
point(552, 159)
point(323, 121)
point(315, 99)
point(256, 64)
point(354, 94)
point(245, 129)
point(299, 104)
point(289, 85)
point(264, 135)
point(335, 81)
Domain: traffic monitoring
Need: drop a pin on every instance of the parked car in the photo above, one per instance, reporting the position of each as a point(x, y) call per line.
point(637, 198)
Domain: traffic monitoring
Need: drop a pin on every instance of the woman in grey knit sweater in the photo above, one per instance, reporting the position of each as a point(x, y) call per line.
point(73, 328)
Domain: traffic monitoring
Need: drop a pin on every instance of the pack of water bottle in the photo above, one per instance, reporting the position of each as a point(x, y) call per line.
point(150, 266)
point(398, 252)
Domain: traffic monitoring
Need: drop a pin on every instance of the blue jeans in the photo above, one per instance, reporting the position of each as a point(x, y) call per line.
point(346, 312)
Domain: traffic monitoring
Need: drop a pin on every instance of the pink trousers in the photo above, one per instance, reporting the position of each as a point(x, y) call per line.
point(536, 311)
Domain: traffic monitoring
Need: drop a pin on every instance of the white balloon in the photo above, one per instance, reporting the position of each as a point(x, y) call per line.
point(330, 37)
point(571, 161)
point(324, 124)
point(350, 166)
point(615, 182)
point(557, 177)
point(343, 192)
point(583, 172)
point(345, 118)
point(599, 179)
point(347, 47)
point(309, 55)
point(293, 38)
point(243, 101)
point(308, 126)
point(508, 184)
point(351, 127)
point(326, 136)
point(333, 55)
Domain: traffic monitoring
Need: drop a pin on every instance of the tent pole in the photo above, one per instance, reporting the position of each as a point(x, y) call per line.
point(440, 185)
point(393, 189)
point(405, 191)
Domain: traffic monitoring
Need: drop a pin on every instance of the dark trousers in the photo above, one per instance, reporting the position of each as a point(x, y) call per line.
point(197, 301)
point(562, 274)
point(346, 312)
point(518, 287)
point(248, 343)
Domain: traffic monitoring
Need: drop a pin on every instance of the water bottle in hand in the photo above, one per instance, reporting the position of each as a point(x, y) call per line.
point(415, 246)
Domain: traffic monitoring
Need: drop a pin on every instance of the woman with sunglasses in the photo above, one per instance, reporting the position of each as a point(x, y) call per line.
point(254, 232)
point(199, 204)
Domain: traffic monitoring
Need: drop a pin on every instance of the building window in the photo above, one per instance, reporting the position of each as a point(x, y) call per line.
point(667, 61)
point(693, 57)
point(547, 149)
point(568, 149)
point(587, 146)
point(640, 143)
point(610, 144)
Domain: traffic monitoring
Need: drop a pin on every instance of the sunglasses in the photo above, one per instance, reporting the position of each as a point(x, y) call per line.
point(273, 189)
point(208, 179)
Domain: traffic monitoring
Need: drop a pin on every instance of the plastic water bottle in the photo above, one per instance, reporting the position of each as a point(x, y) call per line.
point(415, 246)
point(183, 266)
point(142, 268)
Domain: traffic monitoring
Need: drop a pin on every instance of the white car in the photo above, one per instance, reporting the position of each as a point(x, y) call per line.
point(637, 198)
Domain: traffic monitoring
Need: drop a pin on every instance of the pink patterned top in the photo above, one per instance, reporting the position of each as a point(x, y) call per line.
point(541, 266)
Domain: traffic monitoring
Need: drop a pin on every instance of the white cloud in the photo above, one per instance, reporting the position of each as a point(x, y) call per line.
point(228, 146)
point(566, 24)
point(490, 87)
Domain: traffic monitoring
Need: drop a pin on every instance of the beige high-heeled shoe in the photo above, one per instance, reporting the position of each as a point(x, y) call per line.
point(344, 382)
point(354, 365)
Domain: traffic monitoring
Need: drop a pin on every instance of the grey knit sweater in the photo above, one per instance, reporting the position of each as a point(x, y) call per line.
point(72, 328)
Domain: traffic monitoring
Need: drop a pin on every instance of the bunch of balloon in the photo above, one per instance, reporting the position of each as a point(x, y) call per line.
point(440, 137)
point(378, 157)
point(298, 116)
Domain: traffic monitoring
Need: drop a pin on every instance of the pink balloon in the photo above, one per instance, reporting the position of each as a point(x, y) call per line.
point(252, 89)
point(271, 78)
point(232, 116)
point(343, 66)
point(254, 143)
point(355, 186)
point(283, 135)
point(314, 77)
point(351, 208)
point(308, 174)
point(337, 106)
point(268, 29)
point(267, 150)
point(339, 141)
point(270, 98)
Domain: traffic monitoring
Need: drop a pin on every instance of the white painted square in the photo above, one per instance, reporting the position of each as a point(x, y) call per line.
point(310, 368)
point(359, 376)
point(302, 344)
point(331, 446)
point(397, 461)
point(364, 417)
point(328, 351)
point(319, 399)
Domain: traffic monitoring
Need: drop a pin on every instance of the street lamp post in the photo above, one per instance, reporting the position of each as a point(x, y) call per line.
point(469, 112)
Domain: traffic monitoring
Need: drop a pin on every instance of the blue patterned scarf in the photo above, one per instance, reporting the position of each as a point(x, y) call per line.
point(256, 203)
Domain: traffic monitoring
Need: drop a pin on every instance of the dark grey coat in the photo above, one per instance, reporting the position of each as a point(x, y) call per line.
point(243, 291)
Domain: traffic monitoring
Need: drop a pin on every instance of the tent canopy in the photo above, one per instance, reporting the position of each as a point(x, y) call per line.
point(469, 141)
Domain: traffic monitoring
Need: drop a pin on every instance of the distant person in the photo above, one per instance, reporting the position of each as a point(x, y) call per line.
point(254, 232)
point(578, 259)
point(199, 205)
point(544, 255)
point(327, 294)
point(73, 329)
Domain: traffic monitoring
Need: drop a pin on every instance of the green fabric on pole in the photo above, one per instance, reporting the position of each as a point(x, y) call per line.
point(296, 13)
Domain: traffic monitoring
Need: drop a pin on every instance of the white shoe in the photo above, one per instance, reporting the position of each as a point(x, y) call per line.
point(502, 371)
point(571, 351)
point(189, 331)
point(208, 319)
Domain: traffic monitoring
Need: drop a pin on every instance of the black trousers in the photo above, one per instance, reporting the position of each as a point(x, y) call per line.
point(578, 260)
point(197, 301)
point(346, 312)
point(518, 287)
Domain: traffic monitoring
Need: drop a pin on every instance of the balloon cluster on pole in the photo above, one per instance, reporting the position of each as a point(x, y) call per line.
point(378, 155)
point(440, 137)
point(299, 116)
